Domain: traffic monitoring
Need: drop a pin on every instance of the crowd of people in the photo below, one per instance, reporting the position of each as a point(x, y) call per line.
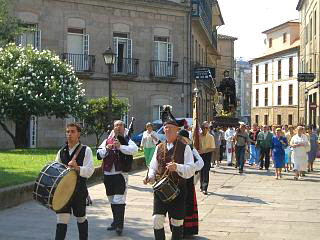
point(288, 148)
point(174, 166)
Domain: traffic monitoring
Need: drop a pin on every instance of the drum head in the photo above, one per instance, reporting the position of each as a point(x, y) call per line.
point(64, 190)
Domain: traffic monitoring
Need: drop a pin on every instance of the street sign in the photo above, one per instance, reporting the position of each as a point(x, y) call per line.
point(306, 77)
point(202, 73)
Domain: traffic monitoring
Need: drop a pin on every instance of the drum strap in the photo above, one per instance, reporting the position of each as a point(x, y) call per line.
point(164, 156)
point(77, 153)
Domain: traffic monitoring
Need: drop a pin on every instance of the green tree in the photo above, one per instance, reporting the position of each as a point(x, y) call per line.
point(96, 118)
point(10, 27)
point(35, 83)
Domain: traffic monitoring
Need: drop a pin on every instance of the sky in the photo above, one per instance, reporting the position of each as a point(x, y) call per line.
point(247, 19)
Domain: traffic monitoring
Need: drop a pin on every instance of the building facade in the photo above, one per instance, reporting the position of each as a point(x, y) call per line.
point(206, 17)
point(309, 12)
point(274, 77)
point(243, 78)
point(153, 44)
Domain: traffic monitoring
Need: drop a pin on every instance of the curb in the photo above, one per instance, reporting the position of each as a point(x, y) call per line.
point(15, 195)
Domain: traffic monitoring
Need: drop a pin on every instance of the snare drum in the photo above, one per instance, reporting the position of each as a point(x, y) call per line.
point(55, 186)
point(166, 190)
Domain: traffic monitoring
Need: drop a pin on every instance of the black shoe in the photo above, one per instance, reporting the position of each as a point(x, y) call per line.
point(240, 171)
point(230, 164)
point(112, 227)
point(119, 231)
point(260, 168)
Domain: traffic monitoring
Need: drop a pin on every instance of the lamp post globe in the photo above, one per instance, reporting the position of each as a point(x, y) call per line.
point(109, 59)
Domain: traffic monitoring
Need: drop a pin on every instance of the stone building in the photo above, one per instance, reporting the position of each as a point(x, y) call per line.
point(153, 46)
point(274, 77)
point(309, 103)
point(243, 78)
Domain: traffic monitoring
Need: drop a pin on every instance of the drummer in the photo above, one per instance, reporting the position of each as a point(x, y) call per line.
point(83, 164)
point(181, 169)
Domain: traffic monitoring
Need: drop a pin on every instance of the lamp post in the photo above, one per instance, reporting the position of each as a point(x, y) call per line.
point(109, 59)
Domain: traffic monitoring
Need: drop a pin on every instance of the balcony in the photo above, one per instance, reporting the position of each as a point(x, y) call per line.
point(202, 11)
point(82, 63)
point(126, 67)
point(163, 69)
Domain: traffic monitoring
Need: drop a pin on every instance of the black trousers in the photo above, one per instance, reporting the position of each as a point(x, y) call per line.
point(204, 174)
point(265, 153)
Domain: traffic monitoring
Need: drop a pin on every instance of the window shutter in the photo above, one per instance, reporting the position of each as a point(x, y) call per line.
point(86, 44)
point(37, 39)
point(129, 56)
point(156, 51)
point(85, 58)
point(169, 57)
point(115, 41)
point(19, 40)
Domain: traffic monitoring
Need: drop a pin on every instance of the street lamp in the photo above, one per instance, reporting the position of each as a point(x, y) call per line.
point(109, 59)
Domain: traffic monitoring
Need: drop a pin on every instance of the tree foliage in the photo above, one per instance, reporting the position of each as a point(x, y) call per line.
point(96, 117)
point(10, 27)
point(36, 83)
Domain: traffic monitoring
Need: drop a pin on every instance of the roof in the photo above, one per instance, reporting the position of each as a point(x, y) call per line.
point(222, 36)
point(216, 3)
point(295, 45)
point(300, 3)
point(295, 21)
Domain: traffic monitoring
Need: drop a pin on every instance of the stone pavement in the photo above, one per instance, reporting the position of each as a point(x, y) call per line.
point(249, 206)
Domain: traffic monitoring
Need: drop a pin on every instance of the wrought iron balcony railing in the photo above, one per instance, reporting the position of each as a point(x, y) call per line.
point(80, 62)
point(163, 69)
point(126, 66)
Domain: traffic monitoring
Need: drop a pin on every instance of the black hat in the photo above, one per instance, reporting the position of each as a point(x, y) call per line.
point(184, 133)
point(168, 118)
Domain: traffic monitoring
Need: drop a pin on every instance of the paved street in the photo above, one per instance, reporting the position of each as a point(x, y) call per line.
point(249, 206)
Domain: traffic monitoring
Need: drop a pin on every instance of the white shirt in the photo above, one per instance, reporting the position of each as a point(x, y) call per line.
point(185, 170)
point(148, 141)
point(131, 149)
point(87, 168)
point(229, 134)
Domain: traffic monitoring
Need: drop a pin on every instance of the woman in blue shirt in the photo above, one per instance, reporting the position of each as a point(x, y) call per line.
point(279, 143)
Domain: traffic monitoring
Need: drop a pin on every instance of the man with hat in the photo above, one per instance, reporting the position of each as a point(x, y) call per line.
point(175, 157)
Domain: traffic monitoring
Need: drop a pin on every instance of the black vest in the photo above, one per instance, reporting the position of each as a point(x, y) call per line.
point(66, 158)
point(126, 160)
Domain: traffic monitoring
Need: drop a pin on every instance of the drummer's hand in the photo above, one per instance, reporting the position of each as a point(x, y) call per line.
point(74, 165)
point(117, 144)
point(109, 146)
point(172, 167)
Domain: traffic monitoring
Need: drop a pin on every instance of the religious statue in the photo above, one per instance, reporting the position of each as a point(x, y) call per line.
point(228, 90)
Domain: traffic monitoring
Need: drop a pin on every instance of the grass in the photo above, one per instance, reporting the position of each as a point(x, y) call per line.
point(23, 165)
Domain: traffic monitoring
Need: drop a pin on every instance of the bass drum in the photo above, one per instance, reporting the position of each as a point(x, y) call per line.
point(55, 186)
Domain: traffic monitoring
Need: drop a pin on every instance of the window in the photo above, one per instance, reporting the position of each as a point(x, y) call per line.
point(270, 42)
point(257, 119)
point(33, 122)
point(290, 119)
point(257, 97)
point(32, 37)
point(310, 65)
point(290, 94)
point(279, 120)
point(266, 72)
point(156, 112)
point(266, 119)
point(78, 49)
point(266, 96)
point(163, 54)
point(196, 51)
point(257, 74)
point(279, 95)
point(122, 47)
point(279, 69)
point(192, 48)
point(284, 37)
point(290, 66)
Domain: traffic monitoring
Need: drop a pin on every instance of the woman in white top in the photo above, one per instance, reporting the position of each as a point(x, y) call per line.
point(148, 143)
point(300, 146)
